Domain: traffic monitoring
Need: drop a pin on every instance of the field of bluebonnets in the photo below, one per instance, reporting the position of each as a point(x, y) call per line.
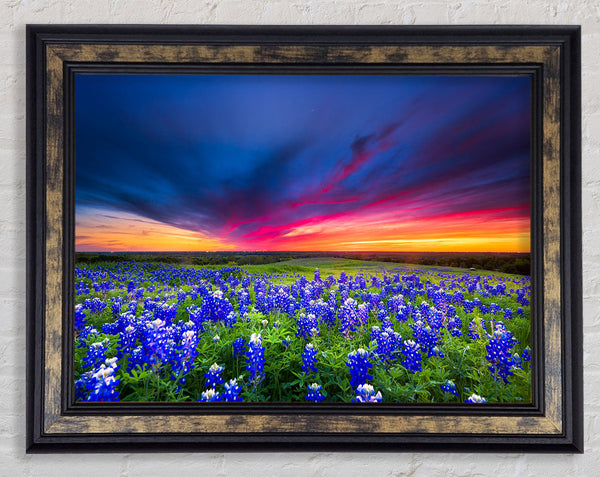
point(352, 332)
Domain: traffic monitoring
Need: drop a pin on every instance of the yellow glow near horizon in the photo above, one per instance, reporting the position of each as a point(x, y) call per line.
point(128, 232)
point(97, 230)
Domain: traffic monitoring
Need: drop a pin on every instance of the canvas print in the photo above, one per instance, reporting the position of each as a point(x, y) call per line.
point(271, 238)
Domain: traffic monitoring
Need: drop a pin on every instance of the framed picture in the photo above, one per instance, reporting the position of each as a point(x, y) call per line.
point(293, 238)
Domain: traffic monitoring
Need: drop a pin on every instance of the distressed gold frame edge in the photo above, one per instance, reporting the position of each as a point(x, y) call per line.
point(57, 54)
point(56, 424)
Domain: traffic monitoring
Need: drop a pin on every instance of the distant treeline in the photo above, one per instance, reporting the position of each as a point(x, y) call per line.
point(518, 263)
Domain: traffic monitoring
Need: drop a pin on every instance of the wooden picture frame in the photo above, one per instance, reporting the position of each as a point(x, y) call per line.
point(550, 55)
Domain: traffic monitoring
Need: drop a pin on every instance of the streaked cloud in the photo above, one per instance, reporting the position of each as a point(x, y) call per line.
point(269, 162)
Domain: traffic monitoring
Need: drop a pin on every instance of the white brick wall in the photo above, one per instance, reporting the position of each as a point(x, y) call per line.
point(14, 14)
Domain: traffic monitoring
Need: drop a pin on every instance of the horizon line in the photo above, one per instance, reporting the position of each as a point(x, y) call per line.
point(233, 252)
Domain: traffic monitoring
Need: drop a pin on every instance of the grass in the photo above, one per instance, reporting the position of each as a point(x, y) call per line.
point(463, 359)
point(334, 266)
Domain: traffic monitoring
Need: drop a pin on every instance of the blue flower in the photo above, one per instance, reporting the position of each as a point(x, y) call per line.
point(413, 357)
point(255, 359)
point(309, 359)
point(210, 395)
point(239, 345)
point(232, 391)
point(308, 326)
point(99, 384)
point(449, 387)
point(473, 330)
point(139, 308)
point(427, 338)
point(499, 353)
point(350, 317)
point(213, 376)
point(366, 393)
point(454, 325)
point(79, 317)
point(314, 393)
point(184, 353)
point(96, 354)
point(517, 361)
point(358, 362)
point(96, 305)
point(388, 343)
point(475, 399)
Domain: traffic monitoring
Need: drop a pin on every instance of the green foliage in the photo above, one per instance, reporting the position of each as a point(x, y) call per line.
point(512, 263)
point(463, 362)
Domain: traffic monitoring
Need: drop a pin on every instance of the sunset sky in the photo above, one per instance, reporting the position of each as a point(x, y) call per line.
point(311, 163)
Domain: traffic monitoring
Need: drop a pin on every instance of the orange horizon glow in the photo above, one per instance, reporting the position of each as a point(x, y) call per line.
point(492, 231)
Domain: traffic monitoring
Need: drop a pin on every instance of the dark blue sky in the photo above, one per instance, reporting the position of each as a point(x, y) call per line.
point(293, 162)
